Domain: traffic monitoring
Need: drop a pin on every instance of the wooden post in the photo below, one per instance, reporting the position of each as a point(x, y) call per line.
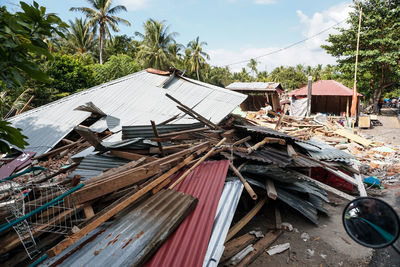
point(246, 185)
point(347, 106)
point(309, 95)
point(240, 224)
point(153, 124)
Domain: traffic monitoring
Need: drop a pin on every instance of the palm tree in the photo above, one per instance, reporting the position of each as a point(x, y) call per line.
point(197, 56)
point(156, 44)
point(102, 15)
point(253, 65)
point(80, 38)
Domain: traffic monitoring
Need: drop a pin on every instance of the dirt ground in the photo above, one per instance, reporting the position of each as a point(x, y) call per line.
point(329, 244)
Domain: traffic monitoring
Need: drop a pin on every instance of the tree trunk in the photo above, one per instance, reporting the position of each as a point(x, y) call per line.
point(101, 44)
point(197, 72)
point(377, 96)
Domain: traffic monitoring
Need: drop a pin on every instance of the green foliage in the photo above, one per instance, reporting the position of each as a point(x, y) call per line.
point(155, 45)
point(379, 54)
point(21, 40)
point(116, 67)
point(120, 44)
point(102, 15)
point(81, 37)
point(68, 74)
point(196, 57)
point(10, 135)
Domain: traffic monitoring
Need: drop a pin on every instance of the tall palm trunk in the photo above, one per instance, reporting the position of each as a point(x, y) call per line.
point(101, 43)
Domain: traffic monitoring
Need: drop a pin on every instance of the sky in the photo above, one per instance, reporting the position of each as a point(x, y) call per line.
point(235, 30)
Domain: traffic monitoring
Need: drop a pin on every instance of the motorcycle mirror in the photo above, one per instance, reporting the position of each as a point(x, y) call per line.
point(371, 222)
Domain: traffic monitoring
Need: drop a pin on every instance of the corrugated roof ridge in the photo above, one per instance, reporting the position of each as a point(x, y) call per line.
point(66, 98)
point(211, 86)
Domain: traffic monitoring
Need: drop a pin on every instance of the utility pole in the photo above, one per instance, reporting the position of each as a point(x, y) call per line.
point(354, 99)
point(309, 96)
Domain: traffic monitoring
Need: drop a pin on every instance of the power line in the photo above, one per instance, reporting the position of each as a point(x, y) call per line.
point(289, 46)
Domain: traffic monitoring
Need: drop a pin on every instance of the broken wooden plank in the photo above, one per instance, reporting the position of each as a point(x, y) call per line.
point(153, 125)
point(246, 185)
point(266, 140)
point(88, 210)
point(240, 224)
point(271, 191)
point(356, 138)
point(201, 129)
point(236, 245)
point(183, 176)
point(291, 151)
point(260, 246)
point(130, 155)
point(278, 218)
point(241, 141)
point(168, 120)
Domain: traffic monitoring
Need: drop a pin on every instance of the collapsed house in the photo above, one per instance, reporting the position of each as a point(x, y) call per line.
point(149, 169)
point(258, 94)
point(328, 96)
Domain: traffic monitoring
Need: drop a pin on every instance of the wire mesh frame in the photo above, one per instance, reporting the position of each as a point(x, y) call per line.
point(25, 199)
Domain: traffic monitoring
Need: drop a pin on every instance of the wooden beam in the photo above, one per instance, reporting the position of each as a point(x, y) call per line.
point(291, 152)
point(153, 125)
point(246, 185)
point(183, 176)
point(202, 129)
point(130, 155)
point(259, 247)
point(168, 121)
point(271, 191)
point(266, 140)
point(278, 218)
point(241, 141)
point(236, 245)
point(240, 224)
point(113, 209)
point(88, 210)
point(58, 150)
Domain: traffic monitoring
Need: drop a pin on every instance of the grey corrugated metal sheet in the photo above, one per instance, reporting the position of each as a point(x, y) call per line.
point(253, 86)
point(134, 99)
point(130, 239)
point(94, 165)
point(147, 130)
point(226, 209)
point(327, 152)
point(267, 155)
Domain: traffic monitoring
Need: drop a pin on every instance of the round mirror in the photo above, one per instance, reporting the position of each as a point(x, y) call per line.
point(371, 222)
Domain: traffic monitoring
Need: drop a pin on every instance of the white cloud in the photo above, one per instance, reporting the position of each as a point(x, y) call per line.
point(309, 52)
point(264, 2)
point(132, 5)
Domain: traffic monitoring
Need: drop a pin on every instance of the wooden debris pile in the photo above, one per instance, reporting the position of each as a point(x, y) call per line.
point(112, 178)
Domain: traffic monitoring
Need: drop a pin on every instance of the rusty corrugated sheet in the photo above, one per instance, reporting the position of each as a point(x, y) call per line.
point(188, 245)
point(133, 237)
point(267, 155)
point(325, 87)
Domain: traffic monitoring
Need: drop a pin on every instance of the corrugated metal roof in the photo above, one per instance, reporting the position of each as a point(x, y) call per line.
point(327, 152)
point(226, 209)
point(267, 155)
point(188, 245)
point(254, 86)
point(94, 165)
point(325, 87)
point(129, 240)
point(134, 99)
point(147, 130)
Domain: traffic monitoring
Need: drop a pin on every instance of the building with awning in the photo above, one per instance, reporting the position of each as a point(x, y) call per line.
point(328, 96)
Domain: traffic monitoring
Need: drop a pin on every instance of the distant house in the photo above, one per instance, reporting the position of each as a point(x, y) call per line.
point(328, 96)
point(259, 94)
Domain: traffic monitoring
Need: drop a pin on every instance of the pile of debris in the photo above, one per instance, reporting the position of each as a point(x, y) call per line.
point(164, 193)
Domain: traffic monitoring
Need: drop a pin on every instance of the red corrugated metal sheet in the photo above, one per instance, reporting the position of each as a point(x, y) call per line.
point(325, 87)
point(188, 245)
